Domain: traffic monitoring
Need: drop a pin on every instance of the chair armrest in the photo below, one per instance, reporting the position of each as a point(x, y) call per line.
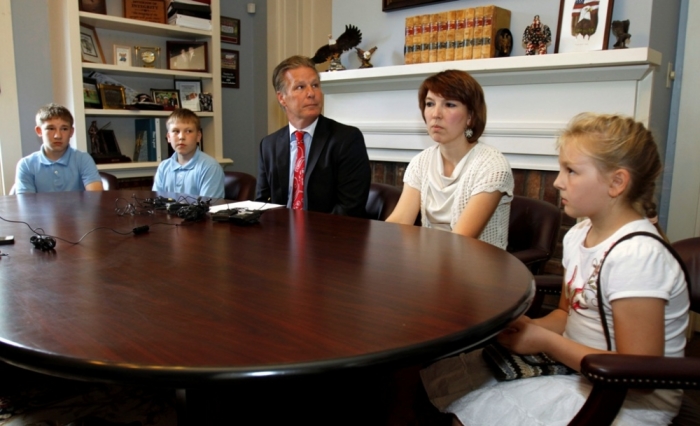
point(548, 284)
point(641, 372)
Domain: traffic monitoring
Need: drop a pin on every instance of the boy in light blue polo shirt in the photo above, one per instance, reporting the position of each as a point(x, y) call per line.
point(56, 167)
point(188, 171)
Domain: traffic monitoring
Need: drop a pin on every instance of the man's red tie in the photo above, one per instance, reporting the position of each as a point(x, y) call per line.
point(299, 167)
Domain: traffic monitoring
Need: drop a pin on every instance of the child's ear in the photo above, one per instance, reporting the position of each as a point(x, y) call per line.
point(38, 131)
point(619, 181)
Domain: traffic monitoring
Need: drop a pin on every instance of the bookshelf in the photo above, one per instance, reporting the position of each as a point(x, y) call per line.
point(111, 29)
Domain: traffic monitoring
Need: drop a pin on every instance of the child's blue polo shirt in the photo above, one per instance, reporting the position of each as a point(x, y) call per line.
point(72, 172)
point(201, 176)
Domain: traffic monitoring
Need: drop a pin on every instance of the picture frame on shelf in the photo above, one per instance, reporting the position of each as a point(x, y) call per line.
point(391, 5)
point(109, 141)
point(168, 98)
point(107, 148)
point(145, 10)
point(189, 93)
point(230, 30)
point(229, 68)
point(147, 57)
point(91, 94)
point(206, 102)
point(90, 48)
point(122, 55)
point(93, 6)
point(112, 96)
point(583, 25)
point(188, 56)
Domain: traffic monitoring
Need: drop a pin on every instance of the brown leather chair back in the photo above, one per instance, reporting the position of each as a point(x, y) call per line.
point(239, 186)
point(689, 250)
point(382, 200)
point(109, 181)
point(532, 231)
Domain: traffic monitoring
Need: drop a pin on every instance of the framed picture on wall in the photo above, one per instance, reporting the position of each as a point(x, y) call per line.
point(584, 25)
point(389, 5)
point(229, 68)
point(230, 30)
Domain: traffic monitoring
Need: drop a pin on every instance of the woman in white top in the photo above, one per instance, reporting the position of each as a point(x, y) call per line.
point(460, 184)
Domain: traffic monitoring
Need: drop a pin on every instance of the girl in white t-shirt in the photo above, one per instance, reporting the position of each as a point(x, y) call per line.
point(607, 169)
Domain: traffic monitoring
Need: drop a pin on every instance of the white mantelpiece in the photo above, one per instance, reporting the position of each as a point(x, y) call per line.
point(529, 99)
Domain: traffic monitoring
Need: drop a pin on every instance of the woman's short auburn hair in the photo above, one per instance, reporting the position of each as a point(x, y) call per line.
point(457, 85)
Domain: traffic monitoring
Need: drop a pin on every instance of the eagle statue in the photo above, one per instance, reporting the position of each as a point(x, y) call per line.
point(332, 51)
point(365, 56)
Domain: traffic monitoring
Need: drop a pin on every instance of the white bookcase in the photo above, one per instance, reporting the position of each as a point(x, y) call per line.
point(111, 29)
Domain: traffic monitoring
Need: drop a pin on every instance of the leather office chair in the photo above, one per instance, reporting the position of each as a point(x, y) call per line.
point(382, 200)
point(239, 186)
point(109, 181)
point(532, 231)
point(612, 374)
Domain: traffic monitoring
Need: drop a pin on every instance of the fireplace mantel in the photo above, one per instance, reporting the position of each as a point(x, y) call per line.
point(529, 99)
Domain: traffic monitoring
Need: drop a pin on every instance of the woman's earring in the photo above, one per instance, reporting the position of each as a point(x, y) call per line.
point(468, 133)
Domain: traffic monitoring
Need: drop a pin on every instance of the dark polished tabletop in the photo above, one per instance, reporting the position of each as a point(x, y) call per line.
point(299, 293)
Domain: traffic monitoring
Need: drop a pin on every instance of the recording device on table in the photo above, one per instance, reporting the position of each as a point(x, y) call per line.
point(7, 239)
point(240, 216)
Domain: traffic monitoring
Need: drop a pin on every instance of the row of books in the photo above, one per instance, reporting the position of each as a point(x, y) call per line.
point(189, 13)
point(454, 35)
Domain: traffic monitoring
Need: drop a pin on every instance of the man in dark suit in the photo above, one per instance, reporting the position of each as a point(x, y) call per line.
point(335, 171)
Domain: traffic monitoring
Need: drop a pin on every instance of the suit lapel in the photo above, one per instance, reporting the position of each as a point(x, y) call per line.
point(282, 159)
point(321, 135)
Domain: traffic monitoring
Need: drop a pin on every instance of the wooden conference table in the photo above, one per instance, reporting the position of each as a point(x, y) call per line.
point(207, 303)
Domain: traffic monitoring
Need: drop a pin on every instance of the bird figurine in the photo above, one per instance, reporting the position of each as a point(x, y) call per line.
point(621, 30)
point(332, 51)
point(365, 56)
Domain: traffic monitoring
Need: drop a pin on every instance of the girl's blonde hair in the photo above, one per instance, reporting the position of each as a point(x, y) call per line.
point(614, 142)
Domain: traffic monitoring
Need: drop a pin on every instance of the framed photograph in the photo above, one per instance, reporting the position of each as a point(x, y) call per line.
point(189, 93)
point(230, 30)
point(229, 68)
point(108, 142)
point(187, 56)
point(93, 6)
point(112, 96)
point(90, 48)
point(390, 5)
point(205, 102)
point(91, 93)
point(169, 99)
point(122, 55)
point(584, 25)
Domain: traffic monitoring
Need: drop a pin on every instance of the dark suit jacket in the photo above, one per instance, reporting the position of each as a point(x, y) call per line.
point(337, 174)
